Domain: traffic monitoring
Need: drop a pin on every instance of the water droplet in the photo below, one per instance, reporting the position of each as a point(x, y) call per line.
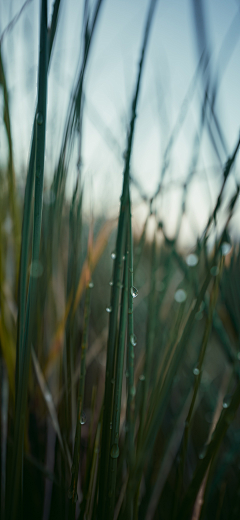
point(238, 356)
point(113, 255)
point(214, 270)
point(196, 371)
point(36, 269)
point(192, 260)
point(142, 377)
point(124, 257)
point(91, 285)
point(209, 417)
point(132, 355)
point(111, 283)
point(115, 451)
point(180, 296)
point(110, 425)
point(203, 452)
point(133, 340)
point(83, 418)
point(227, 401)
point(132, 391)
point(134, 292)
point(109, 309)
point(48, 396)
point(49, 197)
point(226, 248)
point(39, 118)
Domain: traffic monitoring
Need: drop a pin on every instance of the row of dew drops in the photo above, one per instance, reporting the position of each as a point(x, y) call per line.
point(180, 295)
point(191, 260)
point(133, 290)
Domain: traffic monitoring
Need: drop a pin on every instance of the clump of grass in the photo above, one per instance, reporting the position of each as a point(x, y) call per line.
point(148, 451)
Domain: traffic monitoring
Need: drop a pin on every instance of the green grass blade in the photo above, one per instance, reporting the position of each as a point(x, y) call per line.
point(24, 358)
point(130, 357)
point(223, 424)
point(4, 433)
point(27, 221)
point(76, 453)
point(198, 376)
point(121, 233)
point(147, 364)
point(47, 397)
point(13, 205)
point(162, 399)
point(117, 383)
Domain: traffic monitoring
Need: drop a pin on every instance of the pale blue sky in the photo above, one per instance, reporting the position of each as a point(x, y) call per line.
point(171, 61)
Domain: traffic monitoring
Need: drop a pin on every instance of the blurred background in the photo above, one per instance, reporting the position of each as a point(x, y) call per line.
point(187, 129)
point(175, 85)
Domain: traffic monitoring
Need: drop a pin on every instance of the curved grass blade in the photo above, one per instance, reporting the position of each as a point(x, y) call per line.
point(76, 452)
point(92, 489)
point(164, 393)
point(25, 355)
point(130, 357)
point(114, 454)
point(97, 251)
point(147, 364)
point(47, 397)
point(6, 338)
point(73, 261)
point(27, 218)
point(13, 205)
point(4, 433)
point(122, 226)
point(225, 420)
point(227, 170)
point(198, 375)
point(89, 462)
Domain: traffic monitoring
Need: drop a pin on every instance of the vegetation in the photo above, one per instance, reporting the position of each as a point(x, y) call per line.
point(105, 422)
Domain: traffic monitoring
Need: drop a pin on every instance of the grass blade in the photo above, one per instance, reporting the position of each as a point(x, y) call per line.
point(122, 226)
point(25, 356)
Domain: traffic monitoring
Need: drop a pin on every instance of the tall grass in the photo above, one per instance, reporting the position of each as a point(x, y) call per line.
point(143, 424)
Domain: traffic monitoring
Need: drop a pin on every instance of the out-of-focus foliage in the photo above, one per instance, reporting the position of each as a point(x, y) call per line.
point(119, 351)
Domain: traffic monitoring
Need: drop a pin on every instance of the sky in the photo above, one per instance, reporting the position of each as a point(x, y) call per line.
point(171, 62)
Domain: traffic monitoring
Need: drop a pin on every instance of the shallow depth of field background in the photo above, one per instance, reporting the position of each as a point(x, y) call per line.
point(174, 52)
point(187, 128)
